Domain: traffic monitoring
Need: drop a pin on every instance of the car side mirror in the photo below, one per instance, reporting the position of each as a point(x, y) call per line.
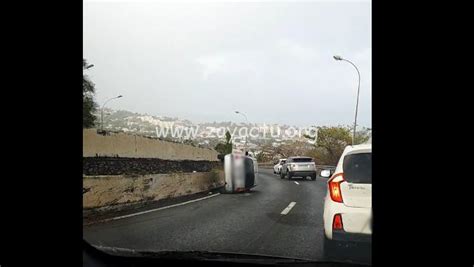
point(325, 173)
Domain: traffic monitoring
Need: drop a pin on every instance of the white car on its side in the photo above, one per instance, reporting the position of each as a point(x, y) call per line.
point(277, 167)
point(348, 204)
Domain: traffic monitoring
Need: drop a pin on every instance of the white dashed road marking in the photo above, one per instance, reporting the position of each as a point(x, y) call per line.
point(297, 183)
point(287, 209)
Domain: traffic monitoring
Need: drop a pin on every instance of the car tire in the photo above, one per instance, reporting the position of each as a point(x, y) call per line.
point(289, 174)
point(313, 177)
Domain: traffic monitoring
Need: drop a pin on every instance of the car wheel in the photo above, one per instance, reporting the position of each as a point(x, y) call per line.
point(289, 174)
point(313, 177)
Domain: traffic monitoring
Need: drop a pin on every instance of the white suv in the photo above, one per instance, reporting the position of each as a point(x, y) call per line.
point(348, 203)
point(277, 167)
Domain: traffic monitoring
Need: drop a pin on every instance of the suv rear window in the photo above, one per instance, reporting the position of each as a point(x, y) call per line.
point(302, 160)
point(358, 168)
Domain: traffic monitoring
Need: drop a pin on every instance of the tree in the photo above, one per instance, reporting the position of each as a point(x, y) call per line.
point(189, 142)
point(225, 148)
point(228, 137)
point(363, 135)
point(266, 153)
point(89, 107)
point(292, 148)
point(331, 142)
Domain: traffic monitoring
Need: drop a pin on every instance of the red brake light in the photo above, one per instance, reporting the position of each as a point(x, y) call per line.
point(337, 222)
point(334, 187)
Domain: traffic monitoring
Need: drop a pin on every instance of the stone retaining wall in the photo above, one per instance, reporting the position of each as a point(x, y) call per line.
point(143, 166)
point(111, 191)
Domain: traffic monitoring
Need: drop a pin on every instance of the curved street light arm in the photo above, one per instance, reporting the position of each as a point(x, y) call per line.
point(357, 101)
point(102, 112)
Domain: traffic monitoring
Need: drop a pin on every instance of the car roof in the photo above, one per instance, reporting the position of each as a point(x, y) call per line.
point(358, 148)
point(298, 157)
point(362, 148)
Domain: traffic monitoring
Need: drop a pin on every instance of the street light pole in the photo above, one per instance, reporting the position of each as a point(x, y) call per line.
point(245, 116)
point(358, 91)
point(102, 112)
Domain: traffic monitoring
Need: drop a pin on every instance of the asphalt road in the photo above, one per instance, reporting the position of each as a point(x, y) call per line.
point(249, 223)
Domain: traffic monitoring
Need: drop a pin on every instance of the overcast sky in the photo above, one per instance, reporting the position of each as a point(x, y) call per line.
point(202, 61)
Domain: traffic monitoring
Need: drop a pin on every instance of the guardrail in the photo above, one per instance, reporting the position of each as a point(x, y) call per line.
point(270, 165)
point(265, 165)
point(326, 167)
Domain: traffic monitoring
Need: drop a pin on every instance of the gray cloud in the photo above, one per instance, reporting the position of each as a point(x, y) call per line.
point(202, 61)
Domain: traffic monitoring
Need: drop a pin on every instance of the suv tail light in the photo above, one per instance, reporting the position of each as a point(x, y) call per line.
point(334, 185)
point(337, 222)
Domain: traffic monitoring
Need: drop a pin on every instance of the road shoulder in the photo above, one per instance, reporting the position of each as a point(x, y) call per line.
point(91, 217)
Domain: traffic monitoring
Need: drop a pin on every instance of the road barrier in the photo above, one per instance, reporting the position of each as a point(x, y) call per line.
point(124, 145)
point(266, 165)
point(115, 192)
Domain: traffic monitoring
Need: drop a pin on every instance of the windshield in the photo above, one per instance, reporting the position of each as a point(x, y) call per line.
point(302, 160)
point(191, 110)
point(358, 168)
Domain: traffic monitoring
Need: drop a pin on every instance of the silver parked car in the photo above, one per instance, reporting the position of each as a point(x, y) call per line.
point(299, 167)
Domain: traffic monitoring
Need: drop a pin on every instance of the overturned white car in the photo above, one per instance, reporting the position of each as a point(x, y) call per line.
point(241, 172)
